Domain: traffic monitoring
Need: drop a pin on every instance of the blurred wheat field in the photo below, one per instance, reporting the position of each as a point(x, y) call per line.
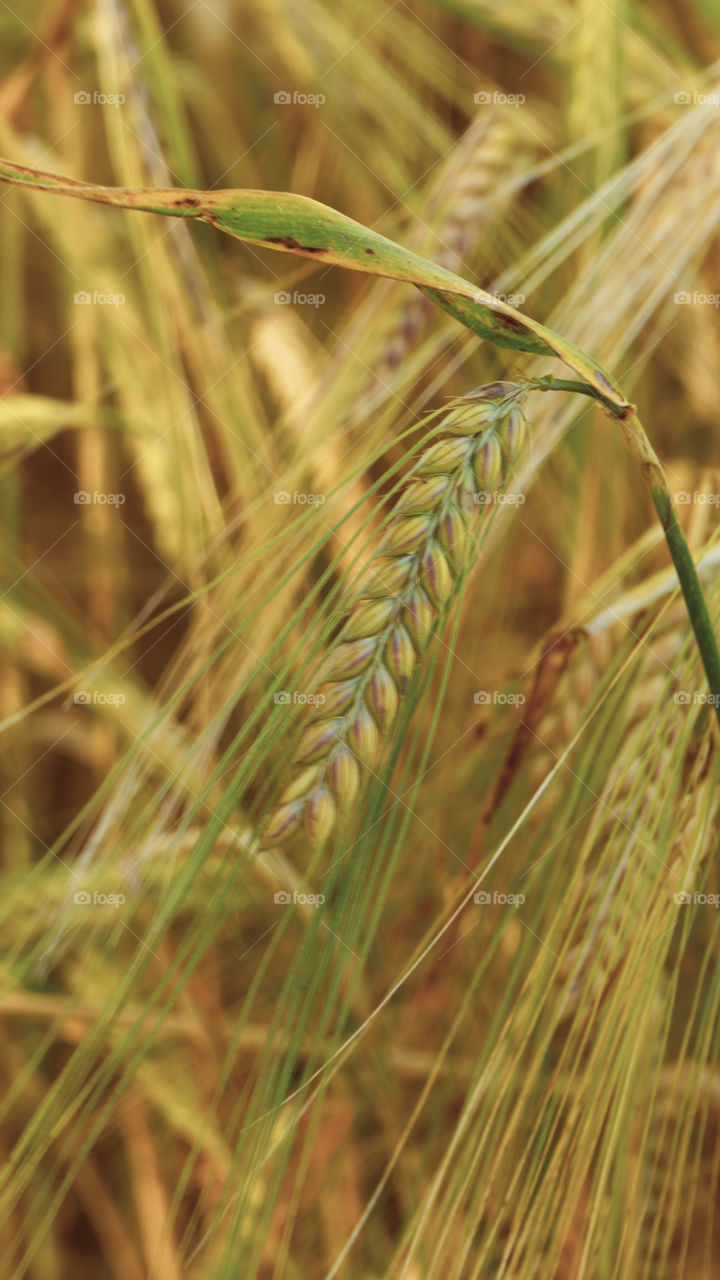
point(475, 1033)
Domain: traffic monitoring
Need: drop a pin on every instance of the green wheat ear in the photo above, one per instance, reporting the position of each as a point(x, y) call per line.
point(391, 618)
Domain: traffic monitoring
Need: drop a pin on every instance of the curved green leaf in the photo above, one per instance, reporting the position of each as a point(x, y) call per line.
point(299, 225)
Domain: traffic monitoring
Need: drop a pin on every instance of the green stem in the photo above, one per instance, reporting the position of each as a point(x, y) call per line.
point(691, 589)
point(644, 453)
point(580, 388)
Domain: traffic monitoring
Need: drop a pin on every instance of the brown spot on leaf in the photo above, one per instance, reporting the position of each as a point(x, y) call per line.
point(291, 243)
point(509, 322)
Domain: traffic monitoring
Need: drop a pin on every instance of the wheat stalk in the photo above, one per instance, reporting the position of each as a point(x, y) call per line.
point(392, 616)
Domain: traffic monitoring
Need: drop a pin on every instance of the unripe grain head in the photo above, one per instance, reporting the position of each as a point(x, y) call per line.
point(392, 618)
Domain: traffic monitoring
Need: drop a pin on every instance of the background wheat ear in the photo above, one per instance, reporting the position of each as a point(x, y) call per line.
point(392, 617)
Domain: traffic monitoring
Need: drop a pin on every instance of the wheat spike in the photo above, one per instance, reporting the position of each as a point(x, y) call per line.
point(474, 188)
point(599, 927)
point(391, 618)
point(674, 1141)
